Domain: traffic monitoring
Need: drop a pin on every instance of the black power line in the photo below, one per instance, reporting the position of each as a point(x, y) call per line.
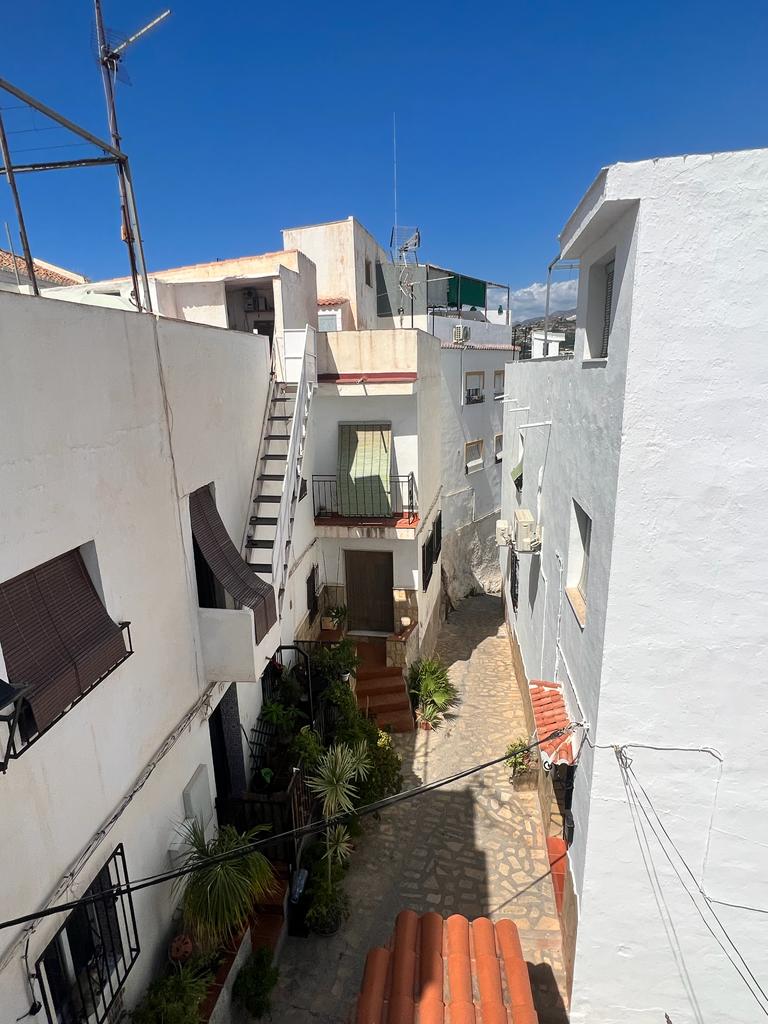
point(311, 829)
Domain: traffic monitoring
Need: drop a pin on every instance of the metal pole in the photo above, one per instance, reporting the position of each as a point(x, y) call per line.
point(17, 203)
point(13, 254)
point(107, 67)
point(58, 118)
point(134, 216)
point(58, 165)
point(546, 306)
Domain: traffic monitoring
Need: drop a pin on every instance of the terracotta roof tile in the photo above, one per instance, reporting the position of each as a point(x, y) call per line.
point(332, 301)
point(45, 273)
point(447, 972)
point(550, 715)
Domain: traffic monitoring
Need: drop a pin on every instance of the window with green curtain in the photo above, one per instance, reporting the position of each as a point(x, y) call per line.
point(364, 468)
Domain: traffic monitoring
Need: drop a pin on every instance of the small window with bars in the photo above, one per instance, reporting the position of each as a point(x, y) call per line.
point(498, 383)
point(83, 969)
point(514, 580)
point(427, 561)
point(437, 533)
point(474, 387)
point(369, 273)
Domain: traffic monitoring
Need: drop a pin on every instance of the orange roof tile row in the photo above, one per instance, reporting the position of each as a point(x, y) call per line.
point(333, 301)
point(447, 972)
point(45, 273)
point(557, 852)
point(550, 715)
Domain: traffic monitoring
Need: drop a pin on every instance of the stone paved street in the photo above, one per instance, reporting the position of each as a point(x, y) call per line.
point(474, 848)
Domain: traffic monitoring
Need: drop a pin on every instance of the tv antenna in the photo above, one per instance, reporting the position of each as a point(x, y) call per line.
point(110, 55)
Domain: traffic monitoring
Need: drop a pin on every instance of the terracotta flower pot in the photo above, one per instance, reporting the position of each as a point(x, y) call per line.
point(427, 726)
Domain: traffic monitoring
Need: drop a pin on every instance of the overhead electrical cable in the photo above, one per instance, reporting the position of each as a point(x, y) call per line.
point(319, 826)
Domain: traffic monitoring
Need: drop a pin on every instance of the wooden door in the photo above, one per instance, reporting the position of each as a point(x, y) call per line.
point(369, 591)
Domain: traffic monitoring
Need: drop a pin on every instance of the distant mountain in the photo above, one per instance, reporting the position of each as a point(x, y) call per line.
point(566, 318)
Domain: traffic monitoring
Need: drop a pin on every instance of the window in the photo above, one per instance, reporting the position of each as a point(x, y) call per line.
point(600, 307)
point(498, 446)
point(227, 565)
point(517, 470)
point(427, 560)
point(474, 385)
point(437, 531)
point(578, 561)
point(312, 594)
point(498, 383)
point(84, 968)
point(328, 321)
point(58, 643)
point(473, 456)
point(514, 580)
point(369, 273)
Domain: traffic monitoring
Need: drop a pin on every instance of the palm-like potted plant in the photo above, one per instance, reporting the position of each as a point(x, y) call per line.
point(519, 758)
point(339, 770)
point(219, 895)
point(432, 691)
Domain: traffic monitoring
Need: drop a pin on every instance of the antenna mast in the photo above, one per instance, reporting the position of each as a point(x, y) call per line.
point(394, 155)
point(109, 60)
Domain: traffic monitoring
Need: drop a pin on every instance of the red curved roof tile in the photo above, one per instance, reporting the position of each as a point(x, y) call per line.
point(550, 715)
point(447, 972)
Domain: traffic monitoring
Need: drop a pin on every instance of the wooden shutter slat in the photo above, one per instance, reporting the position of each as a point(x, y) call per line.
point(226, 564)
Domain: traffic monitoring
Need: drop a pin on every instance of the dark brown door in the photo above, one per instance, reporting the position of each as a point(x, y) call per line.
point(369, 591)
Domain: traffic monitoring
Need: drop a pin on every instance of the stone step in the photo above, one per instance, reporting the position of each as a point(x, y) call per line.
point(259, 542)
point(261, 567)
point(263, 520)
point(273, 499)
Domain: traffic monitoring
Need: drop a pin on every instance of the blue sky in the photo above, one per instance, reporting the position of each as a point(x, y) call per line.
point(243, 118)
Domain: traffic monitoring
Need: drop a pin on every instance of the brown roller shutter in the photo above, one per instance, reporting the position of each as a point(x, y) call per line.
point(224, 561)
point(56, 636)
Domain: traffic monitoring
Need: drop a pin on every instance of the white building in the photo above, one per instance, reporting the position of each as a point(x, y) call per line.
point(126, 463)
point(645, 470)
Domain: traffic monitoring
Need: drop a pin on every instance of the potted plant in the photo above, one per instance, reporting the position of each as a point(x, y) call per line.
point(519, 758)
point(219, 896)
point(345, 655)
point(329, 907)
point(338, 615)
point(339, 770)
point(284, 719)
point(432, 692)
point(174, 998)
point(254, 983)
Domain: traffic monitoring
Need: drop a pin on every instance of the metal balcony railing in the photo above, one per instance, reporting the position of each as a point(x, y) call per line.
point(474, 396)
point(365, 499)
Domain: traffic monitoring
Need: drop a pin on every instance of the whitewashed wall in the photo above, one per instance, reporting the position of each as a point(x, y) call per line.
point(676, 610)
point(87, 457)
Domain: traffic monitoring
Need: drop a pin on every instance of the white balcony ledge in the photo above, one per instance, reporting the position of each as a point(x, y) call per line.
point(229, 645)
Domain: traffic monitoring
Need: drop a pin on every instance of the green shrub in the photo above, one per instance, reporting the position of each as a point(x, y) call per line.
point(519, 758)
point(385, 776)
point(254, 983)
point(174, 999)
point(308, 748)
point(432, 692)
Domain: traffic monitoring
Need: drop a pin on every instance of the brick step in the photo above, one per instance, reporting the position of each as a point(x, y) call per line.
point(378, 672)
point(389, 684)
point(263, 520)
point(261, 567)
point(378, 702)
point(275, 499)
point(396, 721)
point(258, 542)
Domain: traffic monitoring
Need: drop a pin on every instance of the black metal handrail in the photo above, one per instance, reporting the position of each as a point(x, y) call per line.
point(365, 499)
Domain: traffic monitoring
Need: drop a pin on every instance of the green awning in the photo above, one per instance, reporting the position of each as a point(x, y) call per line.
point(468, 289)
point(363, 469)
point(517, 471)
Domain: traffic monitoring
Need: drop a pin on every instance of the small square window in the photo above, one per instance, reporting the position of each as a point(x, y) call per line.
point(328, 321)
point(474, 387)
point(498, 383)
point(473, 455)
point(498, 446)
point(579, 543)
point(600, 307)
point(369, 273)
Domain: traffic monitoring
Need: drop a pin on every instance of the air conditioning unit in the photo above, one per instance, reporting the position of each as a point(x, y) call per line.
point(460, 334)
point(250, 302)
point(502, 533)
point(526, 535)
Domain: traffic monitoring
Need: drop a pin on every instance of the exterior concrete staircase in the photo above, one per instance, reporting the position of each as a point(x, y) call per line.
point(277, 483)
point(382, 692)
